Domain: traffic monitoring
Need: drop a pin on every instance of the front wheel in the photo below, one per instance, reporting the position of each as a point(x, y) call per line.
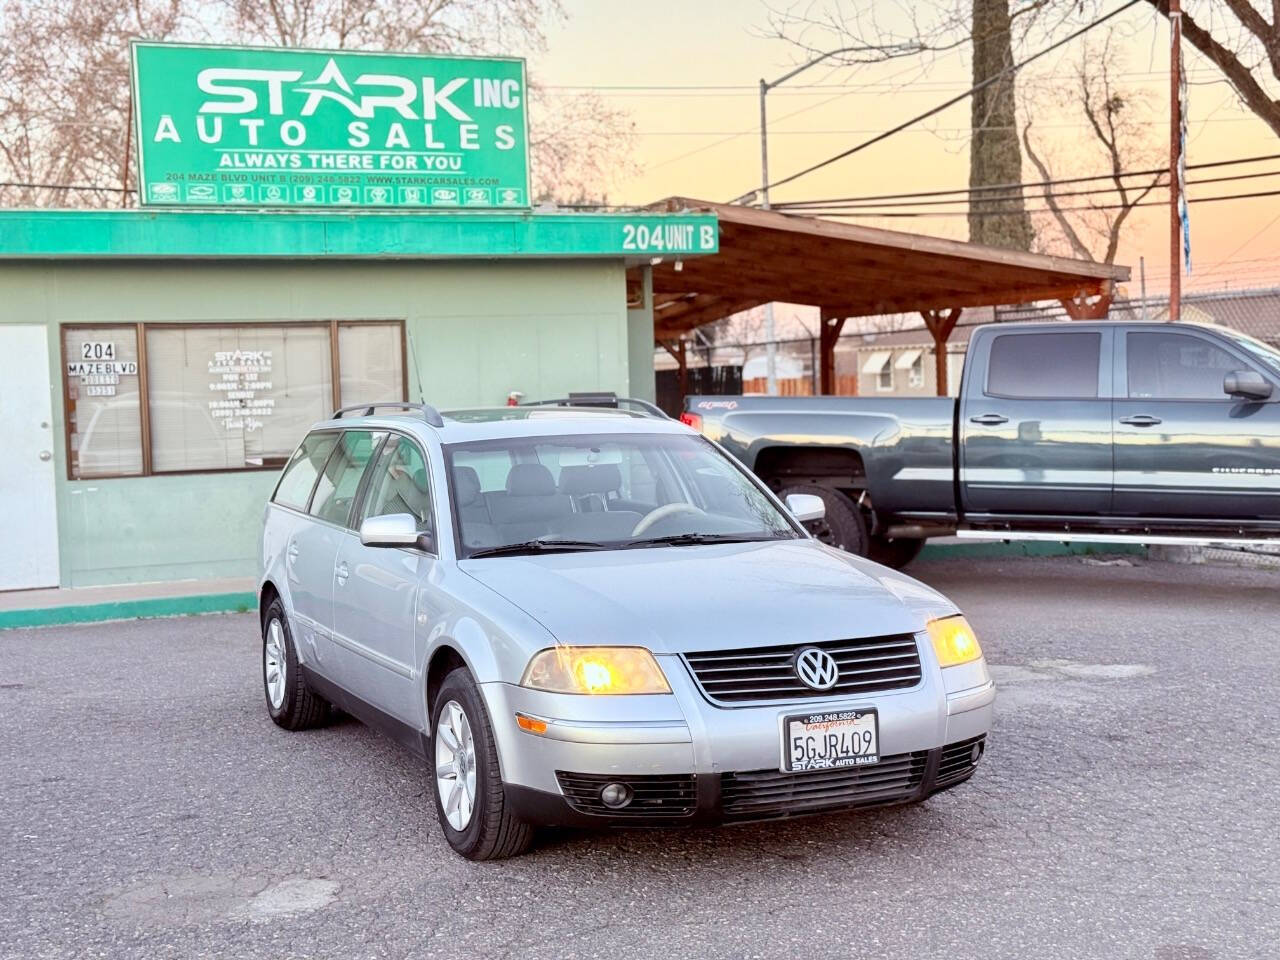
point(842, 526)
point(470, 802)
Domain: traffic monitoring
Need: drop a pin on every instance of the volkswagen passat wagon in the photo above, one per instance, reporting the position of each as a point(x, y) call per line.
point(593, 618)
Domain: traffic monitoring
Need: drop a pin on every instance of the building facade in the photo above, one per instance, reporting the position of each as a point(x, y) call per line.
point(160, 367)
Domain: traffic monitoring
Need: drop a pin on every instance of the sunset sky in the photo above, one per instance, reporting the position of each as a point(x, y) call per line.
point(687, 72)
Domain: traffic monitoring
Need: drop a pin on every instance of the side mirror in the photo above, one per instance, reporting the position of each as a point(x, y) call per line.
point(806, 507)
point(1247, 384)
point(391, 530)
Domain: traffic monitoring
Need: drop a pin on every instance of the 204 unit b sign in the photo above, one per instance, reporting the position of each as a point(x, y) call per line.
point(246, 126)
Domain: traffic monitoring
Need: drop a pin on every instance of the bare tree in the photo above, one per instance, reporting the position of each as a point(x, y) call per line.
point(875, 32)
point(64, 90)
point(1091, 223)
point(1238, 38)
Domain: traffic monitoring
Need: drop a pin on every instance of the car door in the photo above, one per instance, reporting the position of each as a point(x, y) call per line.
point(376, 595)
point(330, 515)
point(1035, 424)
point(309, 549)
point(1183, 446)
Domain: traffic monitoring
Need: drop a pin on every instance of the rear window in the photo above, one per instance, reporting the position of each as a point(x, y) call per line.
point(294, 488)
point(1047, 366)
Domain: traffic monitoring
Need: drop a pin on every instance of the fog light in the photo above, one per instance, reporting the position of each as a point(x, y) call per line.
point(615, 795)
point(976, 753)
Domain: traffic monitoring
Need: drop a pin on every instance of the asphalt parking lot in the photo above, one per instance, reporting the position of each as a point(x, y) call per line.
point(1127, 807)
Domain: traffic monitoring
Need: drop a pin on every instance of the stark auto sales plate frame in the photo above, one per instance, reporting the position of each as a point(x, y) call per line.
point(831, 739)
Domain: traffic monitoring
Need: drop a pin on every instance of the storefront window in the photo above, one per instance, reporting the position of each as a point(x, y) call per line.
point(216, 396)
point(104, 420)
point(233, 397)
point(372, 362)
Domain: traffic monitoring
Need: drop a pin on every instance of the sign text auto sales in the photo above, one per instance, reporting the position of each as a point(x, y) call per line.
point(248, 126)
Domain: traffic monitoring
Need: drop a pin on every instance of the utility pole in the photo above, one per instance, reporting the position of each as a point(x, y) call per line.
point(1175, 150)
point(771, 356)
point(1142, 273)
point(770, 334)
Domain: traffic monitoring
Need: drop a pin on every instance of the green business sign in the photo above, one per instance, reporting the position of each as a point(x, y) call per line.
point(248, 126)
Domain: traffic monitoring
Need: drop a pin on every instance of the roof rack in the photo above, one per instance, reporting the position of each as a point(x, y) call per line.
point(604, 400)
point(429, 413)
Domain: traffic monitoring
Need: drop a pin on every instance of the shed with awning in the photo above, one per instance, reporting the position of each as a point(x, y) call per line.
point(848, 270)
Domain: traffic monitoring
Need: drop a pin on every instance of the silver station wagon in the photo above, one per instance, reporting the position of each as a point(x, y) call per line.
point(587, 617)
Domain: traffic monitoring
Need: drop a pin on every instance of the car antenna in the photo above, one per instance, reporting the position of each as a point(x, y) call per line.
point(422, 397)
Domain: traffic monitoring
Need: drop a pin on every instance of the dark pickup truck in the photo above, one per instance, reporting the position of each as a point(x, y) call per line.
point(1148, 432)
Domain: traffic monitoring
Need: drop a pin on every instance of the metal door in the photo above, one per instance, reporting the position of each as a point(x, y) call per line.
point(29, 547)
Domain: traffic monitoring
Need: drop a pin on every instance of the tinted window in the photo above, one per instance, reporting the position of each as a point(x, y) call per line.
point(1045, 365)
point(1175, 366)
point(341, 479)
point(400, 484)
point(300, 473)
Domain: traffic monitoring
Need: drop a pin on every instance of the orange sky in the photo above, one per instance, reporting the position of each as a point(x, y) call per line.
point(687, 72)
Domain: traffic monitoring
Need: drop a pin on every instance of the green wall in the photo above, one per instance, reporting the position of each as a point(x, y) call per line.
point(476, 329)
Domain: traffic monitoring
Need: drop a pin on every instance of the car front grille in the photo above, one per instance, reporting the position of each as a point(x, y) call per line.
point(652, 796)
point(772, 793)
point(867, 665)
point(957, 761)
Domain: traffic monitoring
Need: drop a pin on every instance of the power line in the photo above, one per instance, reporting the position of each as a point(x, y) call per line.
point(800, 205)
point(1007, 71)
point(1093, 192)
point(1006, 211)
point(65, 186)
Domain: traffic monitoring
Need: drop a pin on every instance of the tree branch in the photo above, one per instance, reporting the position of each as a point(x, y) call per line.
point(1078, 245)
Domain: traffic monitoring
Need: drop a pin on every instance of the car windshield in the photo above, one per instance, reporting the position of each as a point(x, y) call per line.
point(614, 491)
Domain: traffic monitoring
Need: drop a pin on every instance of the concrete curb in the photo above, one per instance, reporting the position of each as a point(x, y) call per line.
point(141, 608)
point(1025, 548)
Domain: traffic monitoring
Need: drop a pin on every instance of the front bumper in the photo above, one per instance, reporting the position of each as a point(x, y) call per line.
point(700, 762)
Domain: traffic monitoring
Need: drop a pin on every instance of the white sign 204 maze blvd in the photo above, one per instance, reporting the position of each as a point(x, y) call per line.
point(669, 237)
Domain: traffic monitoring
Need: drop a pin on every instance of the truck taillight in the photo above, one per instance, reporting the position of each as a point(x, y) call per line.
point(692, 420)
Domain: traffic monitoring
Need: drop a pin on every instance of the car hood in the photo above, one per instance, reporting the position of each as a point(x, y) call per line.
point(709, 597)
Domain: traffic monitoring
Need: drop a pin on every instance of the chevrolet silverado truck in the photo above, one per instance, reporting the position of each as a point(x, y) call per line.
point(1104, 432)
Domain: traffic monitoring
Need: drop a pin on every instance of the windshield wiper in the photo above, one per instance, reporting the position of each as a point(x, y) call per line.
point(538, 546)
point(693, 539)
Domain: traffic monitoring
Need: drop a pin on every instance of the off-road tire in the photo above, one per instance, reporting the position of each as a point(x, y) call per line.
point(493, 833)
point(843, 526)
point(301, 707)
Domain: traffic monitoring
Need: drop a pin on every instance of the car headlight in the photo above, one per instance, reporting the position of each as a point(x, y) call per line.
point(596, 670)
point(954, 641)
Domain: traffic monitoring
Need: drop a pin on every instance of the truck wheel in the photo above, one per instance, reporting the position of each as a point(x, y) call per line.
point(843, 525)
point(896, 553)
point(469, 798)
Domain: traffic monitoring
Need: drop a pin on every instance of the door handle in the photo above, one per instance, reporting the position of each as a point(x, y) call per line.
point(342, 572)
point(45, 455)
point(293, 551)
point(990, 419)
point(1141, 420)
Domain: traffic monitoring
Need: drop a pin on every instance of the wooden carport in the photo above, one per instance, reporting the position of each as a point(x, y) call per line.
point(849, 270)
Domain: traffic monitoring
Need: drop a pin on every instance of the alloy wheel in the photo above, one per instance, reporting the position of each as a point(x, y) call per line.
point(274, 664)
point(455, 765)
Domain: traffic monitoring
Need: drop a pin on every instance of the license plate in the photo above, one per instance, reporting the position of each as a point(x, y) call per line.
point(839, 738)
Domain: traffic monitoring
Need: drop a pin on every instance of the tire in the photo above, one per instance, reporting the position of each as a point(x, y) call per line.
point(896, 553)
point(843, 525)
point(297, 708)
point(491, 831)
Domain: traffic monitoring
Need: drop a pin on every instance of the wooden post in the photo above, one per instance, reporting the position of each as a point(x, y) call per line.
point(940, 324)
point(680, 355)
point(1081, 307)
point(832, 324)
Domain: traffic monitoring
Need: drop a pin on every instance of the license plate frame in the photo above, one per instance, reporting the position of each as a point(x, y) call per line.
point(840, 723)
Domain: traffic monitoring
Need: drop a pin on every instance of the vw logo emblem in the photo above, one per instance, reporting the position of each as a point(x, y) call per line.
point(816, 668)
